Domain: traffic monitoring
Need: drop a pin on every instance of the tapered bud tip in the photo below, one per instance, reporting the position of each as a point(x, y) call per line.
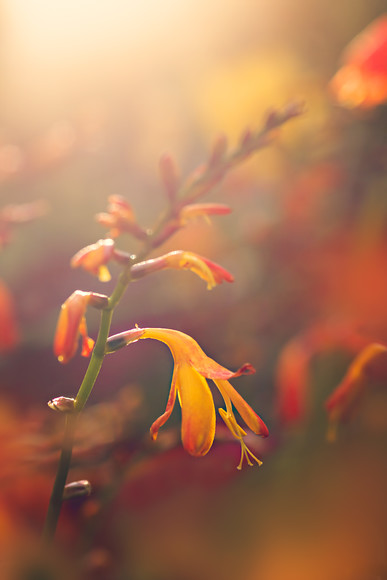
point(74, 489)
point(219, 150)
point(122, 339)
point(99, 301)
point(62, 404)
point(169, 175)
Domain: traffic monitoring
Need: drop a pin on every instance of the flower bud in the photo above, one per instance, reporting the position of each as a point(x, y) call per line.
point(62, 404)
point(194, 210)
point(74, 489)
point(218, 152)
point(72, 324)
point(94, 258)
point(122, 339)
point(169, 177)
point(209, 271)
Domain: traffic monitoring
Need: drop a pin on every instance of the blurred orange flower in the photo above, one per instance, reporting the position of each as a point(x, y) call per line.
point(209, 271)
point(362, 80)
point(192, 368)
point(9, 334)
point(293, 367)
point(369, 366)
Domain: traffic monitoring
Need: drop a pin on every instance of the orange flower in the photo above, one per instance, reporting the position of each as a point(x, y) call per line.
point(72, 323)
point(192, 368)
point(362, 81)
point(94, 258)
point(209, 271)
point(369, 366)
point(293, 367)
point(9, 334)
point(120, 218)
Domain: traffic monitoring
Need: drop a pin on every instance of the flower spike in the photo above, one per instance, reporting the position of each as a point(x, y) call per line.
point(191, 369)
point(209, 271)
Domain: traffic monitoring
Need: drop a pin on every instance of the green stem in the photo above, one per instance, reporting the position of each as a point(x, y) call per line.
point(55, 504)
point(85, 389)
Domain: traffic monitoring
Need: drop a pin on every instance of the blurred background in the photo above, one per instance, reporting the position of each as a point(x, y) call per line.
point(92, 93)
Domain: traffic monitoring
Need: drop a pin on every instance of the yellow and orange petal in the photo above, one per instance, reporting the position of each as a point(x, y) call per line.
point(71, 324)
point(197, 411)
point(94, 258)
point(207, 270)
point(192, 368)
point(120, 218)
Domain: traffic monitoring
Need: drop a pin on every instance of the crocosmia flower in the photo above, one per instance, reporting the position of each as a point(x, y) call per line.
point(72, 324)
point(120, 218)
point(370, 366)
point(209, 271)
point(191, 369)
point(362, 80)
point(94, 258)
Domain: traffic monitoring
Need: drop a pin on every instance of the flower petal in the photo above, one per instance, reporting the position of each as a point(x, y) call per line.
point(249, 416)
point(186, 349)
point(168, 410)
point(70, 322)
point(198, 411)
point(208, 271)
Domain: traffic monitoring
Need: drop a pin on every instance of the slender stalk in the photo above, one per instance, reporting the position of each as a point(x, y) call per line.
point(55, 504)
point(85, 389)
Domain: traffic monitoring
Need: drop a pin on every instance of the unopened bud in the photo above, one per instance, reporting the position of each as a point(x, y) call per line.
point(169, 175)
point(99, 301)
point(122, 339)
point(218, 152)
point(246, 139)
point(62, 404)
point(123, 258)
point(74, 489)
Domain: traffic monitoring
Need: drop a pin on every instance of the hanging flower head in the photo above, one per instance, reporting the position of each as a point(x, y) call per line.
point(94, 258)
point(72, 324)
point(209, 271)
point(192, 368)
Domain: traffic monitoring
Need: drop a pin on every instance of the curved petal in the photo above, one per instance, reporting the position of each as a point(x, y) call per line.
point(186, 350)
point(198, 411)
point(70, 319)
point(168, 410)
point(249, 416)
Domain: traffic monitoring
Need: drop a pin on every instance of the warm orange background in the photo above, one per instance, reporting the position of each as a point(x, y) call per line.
point(91, 94)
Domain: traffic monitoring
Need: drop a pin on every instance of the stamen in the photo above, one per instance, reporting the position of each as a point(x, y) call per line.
point(239, 433)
